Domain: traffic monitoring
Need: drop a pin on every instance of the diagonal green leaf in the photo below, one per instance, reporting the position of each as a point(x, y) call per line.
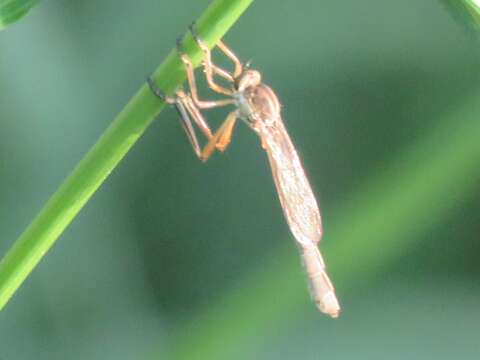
point(109, 150)
point(466, 12)
point(13, 10)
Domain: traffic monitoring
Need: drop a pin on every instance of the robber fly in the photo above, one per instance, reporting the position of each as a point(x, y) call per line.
point(257, 105)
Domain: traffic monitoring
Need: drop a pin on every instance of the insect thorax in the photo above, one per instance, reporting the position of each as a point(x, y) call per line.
point(258, 103)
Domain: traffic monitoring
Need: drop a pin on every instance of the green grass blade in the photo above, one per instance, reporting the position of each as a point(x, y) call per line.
point(13, 10)
point(105, 155)
point(379, 225)
point(466, 12)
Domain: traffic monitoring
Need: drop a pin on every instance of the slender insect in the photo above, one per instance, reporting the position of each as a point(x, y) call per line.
point(257, 105)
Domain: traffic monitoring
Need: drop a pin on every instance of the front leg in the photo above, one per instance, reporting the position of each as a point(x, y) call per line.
point(210, 69)
point(193, 84)
point(223, 48)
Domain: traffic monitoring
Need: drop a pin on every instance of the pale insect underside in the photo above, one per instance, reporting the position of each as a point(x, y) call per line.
point(300, 209)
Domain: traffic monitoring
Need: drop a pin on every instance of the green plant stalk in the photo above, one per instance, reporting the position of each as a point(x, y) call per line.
point(112, 146)
point(466, 12)
point(378, 225)
point(13, 10)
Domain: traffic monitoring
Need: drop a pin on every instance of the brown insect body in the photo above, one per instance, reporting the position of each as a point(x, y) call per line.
point(258, 106)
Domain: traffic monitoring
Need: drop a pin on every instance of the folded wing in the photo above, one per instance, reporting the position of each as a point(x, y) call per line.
point(296, 196)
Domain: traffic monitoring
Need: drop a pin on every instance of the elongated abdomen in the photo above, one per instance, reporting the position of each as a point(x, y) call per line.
point(320, 286)
point(300, 209)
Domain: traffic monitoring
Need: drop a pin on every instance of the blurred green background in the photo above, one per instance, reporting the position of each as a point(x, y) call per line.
point(177, 259)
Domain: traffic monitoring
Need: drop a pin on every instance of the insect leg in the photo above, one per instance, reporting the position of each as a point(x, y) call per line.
point(195, 113)
point(222, 136)
point(193, 85)
point(182, 104)
point(231, 55)
point(159, 93)
point(210, 68)
point(221, 45)
point(187, 126)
